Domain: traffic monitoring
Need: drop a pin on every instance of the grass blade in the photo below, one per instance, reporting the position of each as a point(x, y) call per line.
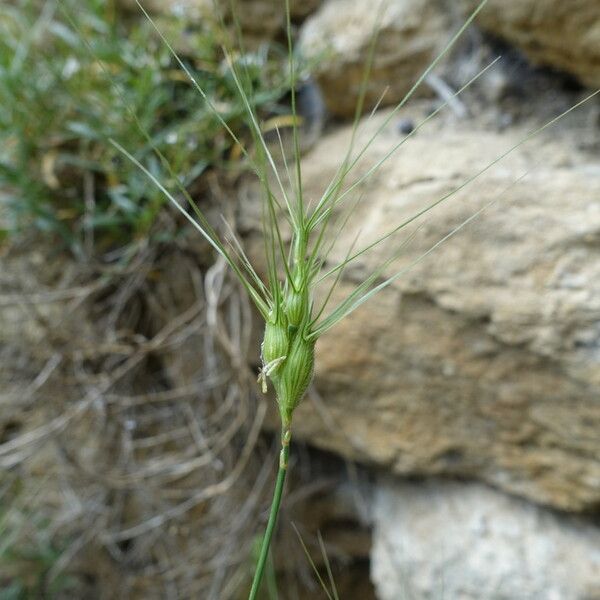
point(327, 566)
point(288, 23)
point(254, 295)
point(354, 301)
point(379, 163)
point(312, 564)
point(468, 181)
point(326, 197)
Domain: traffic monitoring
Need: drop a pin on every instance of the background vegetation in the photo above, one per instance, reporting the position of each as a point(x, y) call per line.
point(73, 75)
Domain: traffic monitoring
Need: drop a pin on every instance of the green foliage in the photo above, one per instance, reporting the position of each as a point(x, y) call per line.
point(74, 74)
point(28, 550)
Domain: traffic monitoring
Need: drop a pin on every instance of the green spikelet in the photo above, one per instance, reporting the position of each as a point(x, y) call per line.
point(295, 375)
point(276, 341)
point(287, 352)
point(296, 307)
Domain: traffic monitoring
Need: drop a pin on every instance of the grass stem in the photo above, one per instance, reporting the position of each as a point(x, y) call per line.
point(286, 436)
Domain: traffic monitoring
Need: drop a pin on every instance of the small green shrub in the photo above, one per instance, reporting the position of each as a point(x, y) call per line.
point(71, 76)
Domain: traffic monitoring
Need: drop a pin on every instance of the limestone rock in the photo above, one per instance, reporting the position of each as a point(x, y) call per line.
point(450, 540)
point(565, 35)
point(483, 359)
point(410, 35)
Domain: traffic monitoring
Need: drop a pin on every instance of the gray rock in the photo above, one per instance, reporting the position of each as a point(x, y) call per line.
point(338, 36)
point(468, 542)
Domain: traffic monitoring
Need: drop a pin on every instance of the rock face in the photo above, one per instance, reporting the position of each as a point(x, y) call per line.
point(449, 540)
point(565, 35)
point(266, 18)
point(483, 360)
point(410, 35)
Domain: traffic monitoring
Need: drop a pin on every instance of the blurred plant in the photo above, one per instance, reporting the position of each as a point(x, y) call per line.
point(28, 550)
point(71, 75)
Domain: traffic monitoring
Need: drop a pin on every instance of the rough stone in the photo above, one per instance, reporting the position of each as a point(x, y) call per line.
point(565, 35)
point(338, 37)
point(450, 540)
point(482, 360)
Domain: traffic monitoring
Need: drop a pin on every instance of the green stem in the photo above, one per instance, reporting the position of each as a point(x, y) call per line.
point(286, 436)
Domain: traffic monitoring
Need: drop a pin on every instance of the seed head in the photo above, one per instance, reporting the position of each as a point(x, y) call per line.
point(296, 307)
point(293, 378)
point(287, 353)
point(275, 341)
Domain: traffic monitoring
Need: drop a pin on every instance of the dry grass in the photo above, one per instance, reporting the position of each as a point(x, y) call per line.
point(148, 486)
